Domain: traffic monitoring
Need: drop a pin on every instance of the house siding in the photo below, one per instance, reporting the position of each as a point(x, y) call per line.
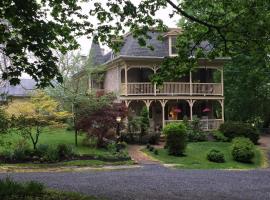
point(112, 80)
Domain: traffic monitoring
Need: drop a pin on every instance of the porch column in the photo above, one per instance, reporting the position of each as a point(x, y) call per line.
point(126, 80)
point(222, 106)
point(222, 82)
point(190, 82)
point(147, 103)
point(191, 102)
point(163, 103)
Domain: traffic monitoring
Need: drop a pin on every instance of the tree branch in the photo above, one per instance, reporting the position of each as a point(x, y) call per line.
point(183, 13)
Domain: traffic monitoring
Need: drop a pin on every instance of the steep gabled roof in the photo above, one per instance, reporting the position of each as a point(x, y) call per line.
point(97, 55)
point(132, 48)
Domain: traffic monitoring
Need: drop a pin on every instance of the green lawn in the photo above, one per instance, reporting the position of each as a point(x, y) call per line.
point(196, 157)
point(53, 136)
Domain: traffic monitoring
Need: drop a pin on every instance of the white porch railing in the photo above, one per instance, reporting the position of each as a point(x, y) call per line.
point(171, 88)
point(207, 88)
point(206, 124)
point(140, 89)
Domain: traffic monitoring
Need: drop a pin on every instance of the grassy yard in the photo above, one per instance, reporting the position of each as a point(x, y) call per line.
point(196, 157)
point(54, 137)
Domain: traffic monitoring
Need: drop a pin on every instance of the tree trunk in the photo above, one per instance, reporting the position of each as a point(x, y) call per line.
point(76, 137)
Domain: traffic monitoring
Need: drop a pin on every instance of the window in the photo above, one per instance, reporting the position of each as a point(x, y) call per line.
point(173, 50)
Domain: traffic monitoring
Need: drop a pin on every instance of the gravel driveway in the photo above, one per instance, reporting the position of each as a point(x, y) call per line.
point(157, 182)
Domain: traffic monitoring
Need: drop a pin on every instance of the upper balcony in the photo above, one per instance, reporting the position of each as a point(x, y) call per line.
point(201, 82)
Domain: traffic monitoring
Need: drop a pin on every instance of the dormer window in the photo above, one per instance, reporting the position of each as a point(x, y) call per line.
point(172, 45)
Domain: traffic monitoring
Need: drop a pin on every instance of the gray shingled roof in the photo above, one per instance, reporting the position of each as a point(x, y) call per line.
point(22, 90)
point(132, 48)
point(97, 54)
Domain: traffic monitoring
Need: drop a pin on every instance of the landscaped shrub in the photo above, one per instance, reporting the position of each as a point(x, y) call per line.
point(176, 138)
point(51, 155)
point(153, 138)
point(11, 190)
point(156, 152)
point(64, 151)
point(22, 151)
point(89, 141)
point(121, 146)
point(151, 148)
point(239, 129)
point(219, 136)
point(196, 136)
point(194, 131)
point(215, 155)
point(243, 150)
point(41, 150)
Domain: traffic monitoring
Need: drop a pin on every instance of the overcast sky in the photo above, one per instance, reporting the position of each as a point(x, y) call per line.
point(162, 14)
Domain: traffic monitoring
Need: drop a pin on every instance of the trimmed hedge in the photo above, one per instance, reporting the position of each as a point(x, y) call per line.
point(239, 129)
point(176, 138)
point(243, 150)
point(215, 155)
point(219, 136)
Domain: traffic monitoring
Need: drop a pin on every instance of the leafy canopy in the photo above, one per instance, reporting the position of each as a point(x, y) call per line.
point(36, 28)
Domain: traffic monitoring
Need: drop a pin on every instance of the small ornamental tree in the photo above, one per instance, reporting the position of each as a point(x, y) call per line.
point(99, 121)
point(144, 122)
point(32, 116)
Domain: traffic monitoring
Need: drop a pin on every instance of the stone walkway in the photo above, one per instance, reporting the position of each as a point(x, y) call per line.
point(140, 157)
point(264, 143)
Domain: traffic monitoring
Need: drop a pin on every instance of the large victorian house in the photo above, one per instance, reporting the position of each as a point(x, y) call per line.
point(199, 93)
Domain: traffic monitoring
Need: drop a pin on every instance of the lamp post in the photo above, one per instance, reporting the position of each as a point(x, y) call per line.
point(118, 121)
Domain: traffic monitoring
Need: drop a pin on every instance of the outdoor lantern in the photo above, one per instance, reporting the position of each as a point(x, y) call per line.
point(206, 110)
point(118, 119)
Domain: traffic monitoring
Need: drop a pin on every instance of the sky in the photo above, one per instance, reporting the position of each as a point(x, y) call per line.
point(162, 14)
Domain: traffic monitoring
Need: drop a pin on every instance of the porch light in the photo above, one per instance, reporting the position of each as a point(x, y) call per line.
point(206, 110)
point(118, 119)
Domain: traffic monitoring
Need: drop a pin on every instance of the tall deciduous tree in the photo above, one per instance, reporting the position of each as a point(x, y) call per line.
point(38, 27)
point(32, 116)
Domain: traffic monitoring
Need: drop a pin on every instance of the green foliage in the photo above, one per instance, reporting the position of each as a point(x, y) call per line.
point(219, 136)
point(194, 136)
point(27, 35)
point(4, 122)
point(153, 138)
point(144, 120)
point(176, 138)
point(11, 190)
point(31, 116)
point(89, 141)
point(215, 155)
point(243, 150)
point(64, 151)
point(21, 151)
point(194, 131)
point(239, 129)
point(42, 150)
point(195, 157)
point(156, 152)
point(51, 155)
